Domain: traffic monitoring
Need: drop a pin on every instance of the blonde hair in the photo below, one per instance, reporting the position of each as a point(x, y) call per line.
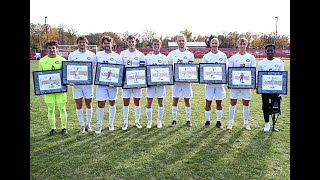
point(243, 39)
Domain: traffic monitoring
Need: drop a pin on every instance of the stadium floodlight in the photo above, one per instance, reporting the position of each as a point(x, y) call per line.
point(276, 29)
point(45, 23)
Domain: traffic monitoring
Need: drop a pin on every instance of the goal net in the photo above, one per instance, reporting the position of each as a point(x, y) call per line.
point(65, 50)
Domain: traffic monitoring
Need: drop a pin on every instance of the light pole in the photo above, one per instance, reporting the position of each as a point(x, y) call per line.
point(276, 29)
point(45, 23)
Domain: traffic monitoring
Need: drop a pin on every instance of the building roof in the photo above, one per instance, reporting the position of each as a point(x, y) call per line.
point(188, 44)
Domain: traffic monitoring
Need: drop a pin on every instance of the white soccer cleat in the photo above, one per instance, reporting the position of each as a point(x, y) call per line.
point(266, 127)
point(138, 125)
point(230, 126)
point(125, 126)
point(246, 127)
point(98, 130)
point(149, 124)
point(111, 127)
point(159, 124)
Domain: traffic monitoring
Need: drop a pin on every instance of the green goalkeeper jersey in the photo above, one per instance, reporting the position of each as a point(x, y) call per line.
point(47, 63)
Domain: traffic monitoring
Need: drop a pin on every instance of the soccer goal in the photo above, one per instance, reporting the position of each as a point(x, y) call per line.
point(65, 50)
point(92, 48)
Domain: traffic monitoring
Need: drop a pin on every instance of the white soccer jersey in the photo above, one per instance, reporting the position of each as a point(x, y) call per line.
point(176, 56)
point(156, 59)
point(271, 65)
point(220, 57)
point(82, 56)
point(132, 59)
point(106, 92)
point(246, 60)
point(111, 58)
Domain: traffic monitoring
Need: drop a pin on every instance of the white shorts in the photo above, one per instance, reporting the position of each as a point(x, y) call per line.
point(160, 91)
point(137, 93)
point(80, 91)
point(184, 88)
point(218, 93)
point(104, 93)
point(245, 93)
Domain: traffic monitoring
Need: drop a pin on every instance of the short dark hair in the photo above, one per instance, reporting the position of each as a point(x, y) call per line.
point(52, 43)
point(270, 45)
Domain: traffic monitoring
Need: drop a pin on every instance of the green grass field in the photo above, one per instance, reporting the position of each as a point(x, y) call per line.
point(169, 153)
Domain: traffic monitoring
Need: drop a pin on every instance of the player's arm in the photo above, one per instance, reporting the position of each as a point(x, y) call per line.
point(191, 59)
point(142, 60)
point(40, 66)
point(253, 62)
point(281, 68)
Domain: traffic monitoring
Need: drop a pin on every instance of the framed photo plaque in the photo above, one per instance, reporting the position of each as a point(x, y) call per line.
point(47, 82)
point(214, 73)
point(77, 72)
point(135, 77)
point(159, 75)
point(241, 77)
point(272, 82)
point(185, 72)
point(109, 74)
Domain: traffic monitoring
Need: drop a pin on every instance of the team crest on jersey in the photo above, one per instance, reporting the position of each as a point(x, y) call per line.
point(159, 61)
point(135, 58)
point(185, 57)
point(57, 62)
point(247, 60)
point(89, 58)
point(220, 59)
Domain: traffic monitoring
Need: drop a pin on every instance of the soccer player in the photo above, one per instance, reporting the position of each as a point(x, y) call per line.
point(52, 61)
point(216, 91)
point(155, 58)
point(132, 57)
point(241, 59)
point(269, 64)
point(241, 78)
point(181, 55)
point(107, 92)
point(83, 91)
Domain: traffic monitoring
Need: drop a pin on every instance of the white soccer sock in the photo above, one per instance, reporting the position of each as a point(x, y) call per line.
point(80, 116)
point(160, 113)
point(219, 114)
point(188, 112)
point(149, 114)
point(89, 116)
point(232, 110)
point(245, 112)
point(174, 112)
point(112, 112)
point(100, 114)
point(125, 113)
point(207, 115)
point(138, 112)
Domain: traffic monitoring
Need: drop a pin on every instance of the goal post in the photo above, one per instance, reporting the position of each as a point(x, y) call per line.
point(65, 50)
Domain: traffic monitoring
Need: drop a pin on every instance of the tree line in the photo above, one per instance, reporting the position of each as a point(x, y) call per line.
point(40, 33)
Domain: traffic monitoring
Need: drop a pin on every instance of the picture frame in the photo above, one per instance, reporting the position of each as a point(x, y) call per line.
point(185, 72)
point(135, 77)
point(48, 82)
point(77, 72)
point(213, 73)
point(241, 78)
point(272, 82)
point(159, 74)
point(109, 74)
